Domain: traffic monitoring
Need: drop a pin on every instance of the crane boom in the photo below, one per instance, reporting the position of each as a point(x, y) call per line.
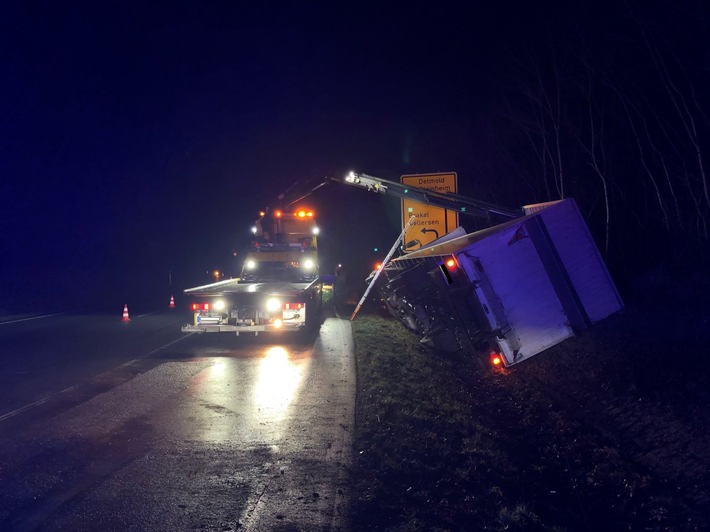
point(454, 202)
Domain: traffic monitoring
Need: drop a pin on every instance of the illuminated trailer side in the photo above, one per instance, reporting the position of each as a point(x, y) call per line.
point(508, 292)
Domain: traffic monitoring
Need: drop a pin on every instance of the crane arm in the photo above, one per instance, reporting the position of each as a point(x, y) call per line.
point(454, 202)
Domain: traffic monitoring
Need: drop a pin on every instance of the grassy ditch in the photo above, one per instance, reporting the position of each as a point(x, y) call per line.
point(440, 447)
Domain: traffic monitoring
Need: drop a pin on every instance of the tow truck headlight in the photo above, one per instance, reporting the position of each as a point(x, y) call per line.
point(250, 264)
point(308, 264)
point(273, 304)
point(218, 305)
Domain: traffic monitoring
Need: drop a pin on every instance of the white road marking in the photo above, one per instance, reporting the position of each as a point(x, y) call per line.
point(32, 318)
point(74, 387)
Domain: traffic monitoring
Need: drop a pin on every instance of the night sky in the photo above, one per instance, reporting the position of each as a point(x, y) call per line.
point(139, 140)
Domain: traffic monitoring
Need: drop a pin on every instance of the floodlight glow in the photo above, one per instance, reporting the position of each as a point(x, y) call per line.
point(273, 304)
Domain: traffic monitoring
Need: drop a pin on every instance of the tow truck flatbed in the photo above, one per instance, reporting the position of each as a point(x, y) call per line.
point(239, 307)
point(236, 286)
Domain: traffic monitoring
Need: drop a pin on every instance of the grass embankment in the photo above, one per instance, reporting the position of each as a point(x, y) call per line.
point(552, 445)
point(425, 458)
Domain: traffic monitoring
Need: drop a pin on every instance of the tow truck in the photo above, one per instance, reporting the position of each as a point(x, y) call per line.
point(279, 288)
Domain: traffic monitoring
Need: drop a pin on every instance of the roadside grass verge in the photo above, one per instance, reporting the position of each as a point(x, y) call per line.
point(425, 459)
point(565, 443)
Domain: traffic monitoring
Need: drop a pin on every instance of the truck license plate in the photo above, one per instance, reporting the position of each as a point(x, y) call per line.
point(291, 314)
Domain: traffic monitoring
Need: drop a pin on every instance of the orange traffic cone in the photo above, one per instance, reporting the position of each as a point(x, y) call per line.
point(125, 313)
point(172, 302)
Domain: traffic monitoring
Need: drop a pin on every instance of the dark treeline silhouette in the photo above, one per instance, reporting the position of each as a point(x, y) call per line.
point(610, 106)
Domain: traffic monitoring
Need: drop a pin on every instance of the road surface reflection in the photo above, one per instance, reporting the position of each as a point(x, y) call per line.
point(278, 380)
point(247, 395)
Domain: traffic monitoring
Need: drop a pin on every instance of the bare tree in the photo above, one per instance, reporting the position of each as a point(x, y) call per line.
point(597, 157)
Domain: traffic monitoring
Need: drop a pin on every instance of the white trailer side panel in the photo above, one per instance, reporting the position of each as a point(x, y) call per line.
point(538, 278)
point(514, 270)
point(581, 260)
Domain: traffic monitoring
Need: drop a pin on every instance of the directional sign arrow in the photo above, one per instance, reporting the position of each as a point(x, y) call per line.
point(425, 231)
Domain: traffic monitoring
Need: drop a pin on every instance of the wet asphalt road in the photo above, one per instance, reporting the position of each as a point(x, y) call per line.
point(113, 426)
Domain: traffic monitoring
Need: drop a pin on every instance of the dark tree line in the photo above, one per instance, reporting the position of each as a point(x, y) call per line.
point(614, 110)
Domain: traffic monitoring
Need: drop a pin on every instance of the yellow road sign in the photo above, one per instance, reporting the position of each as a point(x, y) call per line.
point(431, 222)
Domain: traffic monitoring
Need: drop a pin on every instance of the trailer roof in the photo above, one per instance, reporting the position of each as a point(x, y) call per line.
point(452, 246)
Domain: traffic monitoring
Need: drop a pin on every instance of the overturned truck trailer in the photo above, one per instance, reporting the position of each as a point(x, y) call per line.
point(508, 292)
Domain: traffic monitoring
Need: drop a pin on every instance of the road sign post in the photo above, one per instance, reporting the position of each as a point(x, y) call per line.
point(431, 222)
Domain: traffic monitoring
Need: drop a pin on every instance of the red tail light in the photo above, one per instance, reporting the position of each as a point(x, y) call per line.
point(448, 267)
point(496, 360)
point(195, 306)
point(205, 306)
